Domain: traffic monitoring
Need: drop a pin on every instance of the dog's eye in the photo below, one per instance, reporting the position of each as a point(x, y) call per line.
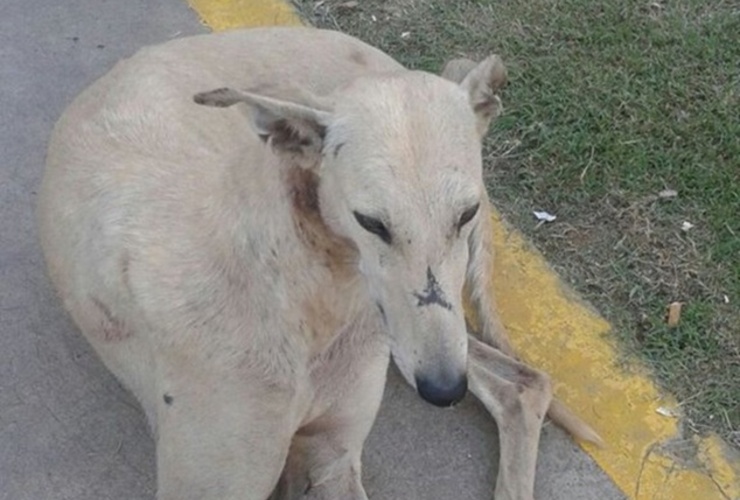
point(374, 226)
point(467, 216)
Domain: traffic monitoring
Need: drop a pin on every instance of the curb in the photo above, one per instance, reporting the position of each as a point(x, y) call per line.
point(645, 454)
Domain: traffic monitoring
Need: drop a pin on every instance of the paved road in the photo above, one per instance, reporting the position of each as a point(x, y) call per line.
point(67, 429)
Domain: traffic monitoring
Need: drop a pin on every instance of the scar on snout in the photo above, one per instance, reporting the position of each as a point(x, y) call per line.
point(338, 148)
point(433, 293)
point(168, 399)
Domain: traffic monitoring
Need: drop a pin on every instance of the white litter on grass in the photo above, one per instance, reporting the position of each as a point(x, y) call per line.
point(544, 216)
point(686, 225)
point(666, 412)
point(726, 299)
point(668, 193)
point(405, 34)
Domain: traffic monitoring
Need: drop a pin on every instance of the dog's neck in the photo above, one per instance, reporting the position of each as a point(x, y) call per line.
point(338, 254)
point(340, 299)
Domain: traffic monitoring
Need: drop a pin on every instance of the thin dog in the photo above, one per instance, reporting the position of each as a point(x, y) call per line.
point(249, 272)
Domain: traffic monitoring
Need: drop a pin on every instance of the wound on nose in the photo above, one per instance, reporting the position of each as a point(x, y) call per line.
point(432, 294)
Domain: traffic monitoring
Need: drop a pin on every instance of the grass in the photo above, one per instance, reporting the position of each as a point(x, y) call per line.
point(610, 103)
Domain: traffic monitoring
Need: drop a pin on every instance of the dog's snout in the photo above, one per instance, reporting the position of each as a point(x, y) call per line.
point(443, 390)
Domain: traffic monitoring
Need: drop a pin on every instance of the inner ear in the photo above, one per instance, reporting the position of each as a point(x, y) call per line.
point(297, 130)
point(293, 136)
point(299, 139)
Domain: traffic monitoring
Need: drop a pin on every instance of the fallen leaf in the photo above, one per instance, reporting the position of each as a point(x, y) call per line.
point(674, 314)
point(544, 216)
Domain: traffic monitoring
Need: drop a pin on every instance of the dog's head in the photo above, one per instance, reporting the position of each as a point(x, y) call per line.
point(398, 158)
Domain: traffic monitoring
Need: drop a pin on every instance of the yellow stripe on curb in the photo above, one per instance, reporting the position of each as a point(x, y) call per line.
point(222, 15)
point(644, 455)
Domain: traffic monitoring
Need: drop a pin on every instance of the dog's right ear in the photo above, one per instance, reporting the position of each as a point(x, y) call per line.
point(294, 129)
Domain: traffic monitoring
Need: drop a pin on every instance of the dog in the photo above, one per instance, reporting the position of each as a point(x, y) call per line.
point(247, 226)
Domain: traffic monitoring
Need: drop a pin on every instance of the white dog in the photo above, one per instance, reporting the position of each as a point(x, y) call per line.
point(248, 272)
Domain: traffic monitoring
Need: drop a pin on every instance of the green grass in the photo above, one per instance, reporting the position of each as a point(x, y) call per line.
point(609, 103)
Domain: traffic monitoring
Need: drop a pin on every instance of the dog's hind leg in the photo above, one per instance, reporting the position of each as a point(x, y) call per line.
point(324, 462)
point(220, 434)
point(518, 397)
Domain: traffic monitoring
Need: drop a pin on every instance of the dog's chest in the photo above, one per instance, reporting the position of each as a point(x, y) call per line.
point(329, 310)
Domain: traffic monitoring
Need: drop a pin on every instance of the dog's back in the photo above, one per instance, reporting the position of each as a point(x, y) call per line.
point(140, 201)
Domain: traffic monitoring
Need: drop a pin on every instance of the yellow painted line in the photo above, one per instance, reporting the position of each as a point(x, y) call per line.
point(222, 15)
point(644, 454)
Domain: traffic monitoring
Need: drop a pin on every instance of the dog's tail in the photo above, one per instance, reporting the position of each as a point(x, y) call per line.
point(565, 418)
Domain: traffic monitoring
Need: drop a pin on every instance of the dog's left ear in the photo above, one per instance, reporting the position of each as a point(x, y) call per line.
point(293, 129)
point(482, 83)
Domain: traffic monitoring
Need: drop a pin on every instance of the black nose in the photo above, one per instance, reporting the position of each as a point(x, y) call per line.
point(442, 390)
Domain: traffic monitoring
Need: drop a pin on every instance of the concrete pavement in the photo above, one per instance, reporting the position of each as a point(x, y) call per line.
point(67, 429)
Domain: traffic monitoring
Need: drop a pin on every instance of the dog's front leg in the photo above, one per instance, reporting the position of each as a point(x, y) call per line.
point(518, 397)
point(325, 458)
